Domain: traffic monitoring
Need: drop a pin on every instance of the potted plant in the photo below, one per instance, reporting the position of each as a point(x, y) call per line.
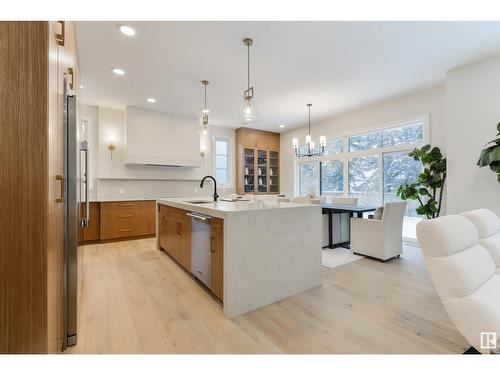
point(428, 189)
point(491, 155)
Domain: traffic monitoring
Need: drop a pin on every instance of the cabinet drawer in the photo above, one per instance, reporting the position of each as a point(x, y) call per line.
point(124, 219)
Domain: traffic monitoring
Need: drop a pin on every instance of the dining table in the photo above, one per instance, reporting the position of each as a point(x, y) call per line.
point(353, 210)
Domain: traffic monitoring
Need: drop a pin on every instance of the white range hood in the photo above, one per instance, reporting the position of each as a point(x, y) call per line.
point(161, 139)
point(162, 161)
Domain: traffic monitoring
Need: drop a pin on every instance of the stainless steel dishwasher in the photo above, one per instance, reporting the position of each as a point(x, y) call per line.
point(201, 257)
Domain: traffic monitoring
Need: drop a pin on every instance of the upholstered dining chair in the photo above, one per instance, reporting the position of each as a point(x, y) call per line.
point(381, 239)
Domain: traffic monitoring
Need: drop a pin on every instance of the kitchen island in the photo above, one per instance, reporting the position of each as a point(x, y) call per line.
point(262, 251)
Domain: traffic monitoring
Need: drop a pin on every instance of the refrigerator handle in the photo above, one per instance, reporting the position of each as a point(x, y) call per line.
point(84, 223)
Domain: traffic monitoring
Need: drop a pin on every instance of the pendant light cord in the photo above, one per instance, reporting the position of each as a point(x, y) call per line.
point(248, 66)
point(205, 95)
point(309, 119)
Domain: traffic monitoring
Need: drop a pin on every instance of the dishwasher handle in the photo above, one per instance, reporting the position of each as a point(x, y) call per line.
point(198, 217)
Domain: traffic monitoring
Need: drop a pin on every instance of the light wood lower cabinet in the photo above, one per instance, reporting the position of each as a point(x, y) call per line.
point(175, 234)
point(92, 232)
point(126, 219)
point(175, 240)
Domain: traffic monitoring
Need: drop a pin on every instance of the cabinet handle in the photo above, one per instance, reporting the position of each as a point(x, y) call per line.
point(61, 179)
point(71, 84)
point(212, 247)
point(124, 204)
point(126, 230)
point(60, 37)
point(179, 227)
point(124, 216)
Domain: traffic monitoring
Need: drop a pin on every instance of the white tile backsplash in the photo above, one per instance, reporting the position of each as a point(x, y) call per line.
point(138, 189)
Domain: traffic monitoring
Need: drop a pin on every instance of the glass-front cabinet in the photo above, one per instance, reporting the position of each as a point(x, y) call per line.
point(262, 171)
point(274, 172)
point(249, 170)
point(257, 162)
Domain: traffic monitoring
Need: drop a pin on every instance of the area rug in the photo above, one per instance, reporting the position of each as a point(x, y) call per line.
point(336, 257)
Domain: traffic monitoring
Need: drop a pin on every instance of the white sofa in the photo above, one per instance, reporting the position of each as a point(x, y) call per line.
point(381, 239)
point(463, 273)
point(488, 229)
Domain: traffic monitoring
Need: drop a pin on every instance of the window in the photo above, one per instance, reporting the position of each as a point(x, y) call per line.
point(332, 177)
point(222, 161)
point(309, 174)
point(364, 141)
point(407, 134)
point(399, 169)
point(364, 179)
point(334, 146)
point(369, 166)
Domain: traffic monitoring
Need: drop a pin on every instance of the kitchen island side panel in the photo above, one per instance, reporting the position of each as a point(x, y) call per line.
point(270, 255)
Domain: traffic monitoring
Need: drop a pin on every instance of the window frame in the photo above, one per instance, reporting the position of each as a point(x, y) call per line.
point(227, 140)
point(346, 154)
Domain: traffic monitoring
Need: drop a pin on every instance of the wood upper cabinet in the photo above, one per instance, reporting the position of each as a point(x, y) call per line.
point(257, 162)
point(217, 252)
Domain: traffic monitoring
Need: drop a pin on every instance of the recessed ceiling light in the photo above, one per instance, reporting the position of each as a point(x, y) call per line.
point(151, 100)
point(282, 126)
point(127, 30)
point(118, 71)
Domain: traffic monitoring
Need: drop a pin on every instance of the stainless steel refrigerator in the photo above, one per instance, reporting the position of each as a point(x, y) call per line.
point(76, 209)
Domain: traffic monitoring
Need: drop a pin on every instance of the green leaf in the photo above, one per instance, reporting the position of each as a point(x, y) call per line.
point(423, 191)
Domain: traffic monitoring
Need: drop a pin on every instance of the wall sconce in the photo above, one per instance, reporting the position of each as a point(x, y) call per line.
point(111, 148)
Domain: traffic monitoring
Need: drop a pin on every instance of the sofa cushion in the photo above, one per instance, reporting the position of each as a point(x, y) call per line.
point(446, 235)
point(460, 274)
point(478, 312)
point(492, 244)
point(486, 221)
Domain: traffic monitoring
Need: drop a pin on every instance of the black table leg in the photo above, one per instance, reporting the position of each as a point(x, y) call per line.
point(330, 229)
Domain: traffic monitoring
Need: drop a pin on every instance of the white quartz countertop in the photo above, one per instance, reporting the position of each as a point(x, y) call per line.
point(223, 208)
point(123, 199)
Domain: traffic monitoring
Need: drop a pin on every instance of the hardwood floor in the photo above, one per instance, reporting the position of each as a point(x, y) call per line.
point(134, 299)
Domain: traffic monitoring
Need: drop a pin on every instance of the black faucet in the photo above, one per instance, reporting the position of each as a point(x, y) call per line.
point(215, 186)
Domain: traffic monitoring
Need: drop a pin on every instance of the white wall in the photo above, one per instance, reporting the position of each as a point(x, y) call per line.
point(115, 180)
point(427, 102)
point(473, 112)
point(90, 115)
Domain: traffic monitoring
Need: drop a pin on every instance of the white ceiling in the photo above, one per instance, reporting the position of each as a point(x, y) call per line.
point(334, 65)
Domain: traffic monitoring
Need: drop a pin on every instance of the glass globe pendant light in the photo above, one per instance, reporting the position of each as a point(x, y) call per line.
point(249, 110)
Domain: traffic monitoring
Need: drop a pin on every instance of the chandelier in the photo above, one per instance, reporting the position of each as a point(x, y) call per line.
point(311, 148)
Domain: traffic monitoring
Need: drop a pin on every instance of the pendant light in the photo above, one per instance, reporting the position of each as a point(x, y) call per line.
point(204, 122)
point(249, 111)
point(312, 150)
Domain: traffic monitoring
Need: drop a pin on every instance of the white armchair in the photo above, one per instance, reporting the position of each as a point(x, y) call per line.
point(381, 239)
point(463, 273)
point(487, 225)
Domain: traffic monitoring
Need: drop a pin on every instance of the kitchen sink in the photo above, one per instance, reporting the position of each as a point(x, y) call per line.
point(198, 202)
